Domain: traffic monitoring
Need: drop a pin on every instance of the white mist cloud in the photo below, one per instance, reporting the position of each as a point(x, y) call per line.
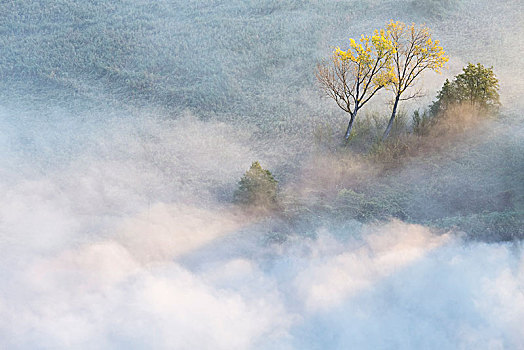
point(397, 286)
point(164, 231)
point(449, 297)
point(329, 281)
point(99, 296)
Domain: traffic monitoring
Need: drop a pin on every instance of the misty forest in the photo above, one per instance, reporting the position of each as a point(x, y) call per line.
point(261, 174)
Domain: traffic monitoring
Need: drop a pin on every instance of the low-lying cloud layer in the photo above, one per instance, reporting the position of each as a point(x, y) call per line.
point(389, 286)
point(135, 245)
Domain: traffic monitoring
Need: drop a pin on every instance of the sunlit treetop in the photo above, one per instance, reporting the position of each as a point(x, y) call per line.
point(371, 56)
point(355, 75)
point(415, 51)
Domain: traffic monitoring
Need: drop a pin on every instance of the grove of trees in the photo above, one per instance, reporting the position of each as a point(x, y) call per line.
point(392, 58)
point(476, 85)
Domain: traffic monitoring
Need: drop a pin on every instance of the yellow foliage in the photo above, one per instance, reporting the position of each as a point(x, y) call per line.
point(416, 50)
point(392, 57)
point(371, 55)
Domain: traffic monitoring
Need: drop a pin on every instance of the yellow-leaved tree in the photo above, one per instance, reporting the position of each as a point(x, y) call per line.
point(354, 76)
point(414, 52)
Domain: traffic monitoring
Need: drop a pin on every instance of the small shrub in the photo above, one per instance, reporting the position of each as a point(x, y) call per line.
point(365, 131)
point(257, 187)
point(421, 122)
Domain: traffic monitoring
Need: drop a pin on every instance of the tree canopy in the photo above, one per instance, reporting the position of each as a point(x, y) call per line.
point(354, 76)
point(476, 86)
point(415, 52)
point(257, 187)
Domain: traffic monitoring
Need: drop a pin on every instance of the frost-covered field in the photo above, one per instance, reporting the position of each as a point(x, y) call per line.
point(126, 125)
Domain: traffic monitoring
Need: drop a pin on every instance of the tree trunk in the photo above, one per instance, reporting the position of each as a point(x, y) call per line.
point(392, 119)
point(350, 124)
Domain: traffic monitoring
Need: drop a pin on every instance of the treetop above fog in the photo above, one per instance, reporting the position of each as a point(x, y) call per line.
point(393, 57)
point(476, 86)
